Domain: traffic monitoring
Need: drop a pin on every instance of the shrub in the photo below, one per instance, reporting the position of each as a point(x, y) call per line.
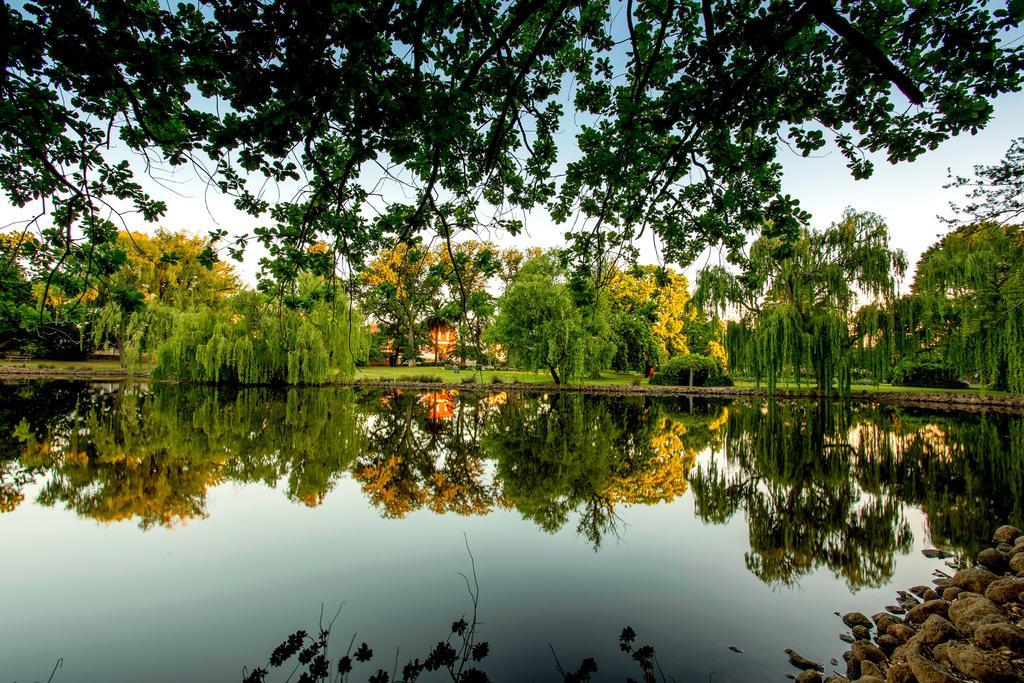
point(926, 374)
point(678, 371)
point(720, 381)
point(425, 379)
point(496, 380)
point(469, 380)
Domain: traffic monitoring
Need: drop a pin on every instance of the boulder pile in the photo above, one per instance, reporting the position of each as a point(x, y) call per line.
point(966, 627)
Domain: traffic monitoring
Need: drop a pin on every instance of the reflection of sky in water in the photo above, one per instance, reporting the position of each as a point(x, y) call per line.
point(199, 601)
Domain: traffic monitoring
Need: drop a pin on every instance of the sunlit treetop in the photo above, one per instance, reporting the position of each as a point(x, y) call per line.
point(615, 117)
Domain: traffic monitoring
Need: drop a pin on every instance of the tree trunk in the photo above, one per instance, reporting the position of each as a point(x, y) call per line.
point(122, 332)
point(411, 350)
point(691, 377)
point(554, 374)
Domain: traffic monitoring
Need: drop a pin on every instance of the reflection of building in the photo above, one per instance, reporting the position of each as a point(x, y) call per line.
point(440, 405)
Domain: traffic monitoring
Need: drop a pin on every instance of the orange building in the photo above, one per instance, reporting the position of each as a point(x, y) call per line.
point(443, 341)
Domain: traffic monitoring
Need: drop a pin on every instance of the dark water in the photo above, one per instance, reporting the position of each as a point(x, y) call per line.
point(172, 533)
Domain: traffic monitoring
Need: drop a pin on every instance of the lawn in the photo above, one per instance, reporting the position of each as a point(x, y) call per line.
point(485, 376)
point(881, 388)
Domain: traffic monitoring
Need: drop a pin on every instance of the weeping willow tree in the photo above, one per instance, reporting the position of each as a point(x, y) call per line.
point(794, 310)
point(159, 275)
point(134, 328)
point(966, 306)
point(256, 339)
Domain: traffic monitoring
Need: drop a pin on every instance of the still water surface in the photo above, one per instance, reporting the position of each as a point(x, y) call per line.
point(169, 533)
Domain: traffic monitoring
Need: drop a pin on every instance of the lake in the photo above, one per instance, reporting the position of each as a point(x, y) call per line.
point(169, 533)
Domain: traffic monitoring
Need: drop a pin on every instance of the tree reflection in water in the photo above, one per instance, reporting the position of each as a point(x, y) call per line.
point(820, 484)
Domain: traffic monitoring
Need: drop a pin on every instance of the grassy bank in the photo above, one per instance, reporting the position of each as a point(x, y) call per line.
point(384, 374)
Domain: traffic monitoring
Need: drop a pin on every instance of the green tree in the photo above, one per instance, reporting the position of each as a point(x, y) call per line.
point(796, 303)
point(466, 270)
point(16, 300)
point(162, 273)
point(400, 288)
point(540, 326)
point(256, 339)
point(681, 108)
point(967, 303)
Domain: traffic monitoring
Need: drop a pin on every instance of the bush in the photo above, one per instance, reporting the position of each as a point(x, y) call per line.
point(677, 371)
point(425, 379)
point(720, 381)
point(926, 374)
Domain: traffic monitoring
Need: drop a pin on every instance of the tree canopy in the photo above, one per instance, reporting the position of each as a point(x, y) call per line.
point(464, 105)
point(542, 324)
point(797, 303)
point(967, 304)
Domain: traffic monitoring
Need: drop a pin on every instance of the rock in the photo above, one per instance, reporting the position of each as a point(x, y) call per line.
point(928, 672)
point(801, 662)
point(968, 613)
point(869, 668)
point(1017, 562)
point(809, 676)
point(1006, 534)
point(998, 636)
point(861, 632)
point(863, 651)
point(907, 601)
point(943, 582)
point(885, 621)
point(837, 679)
point(871, 679)
point(900, 672)
point(949, 594)
point(930, 594)
point(936, 630)
point(888, 643)
point(896, 609)
point(984, 666)
point(920, 614)
point(846, 638)
point(736, 649)
point(974, 579)
point(919, 591)
point(941, 653)
point(992, 559)
point(901, 632)
point(852, 619)
point(935, 554)
point(1009, 589)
